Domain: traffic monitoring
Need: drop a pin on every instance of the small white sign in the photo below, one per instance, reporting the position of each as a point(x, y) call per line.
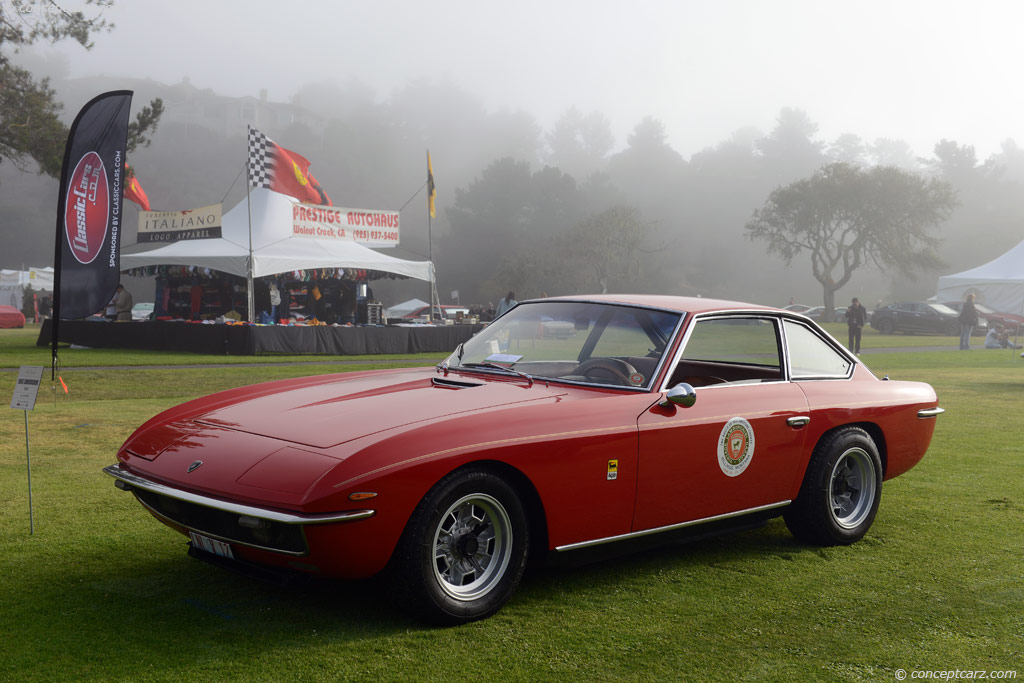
point(27, 387)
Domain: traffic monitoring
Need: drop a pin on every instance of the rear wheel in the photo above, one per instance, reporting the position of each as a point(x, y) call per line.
point(885, 326)
point(841, 490)
point(463, 551)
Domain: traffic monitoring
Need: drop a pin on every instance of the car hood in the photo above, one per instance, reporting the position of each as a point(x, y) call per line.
point(270, 443)
point(334, 412)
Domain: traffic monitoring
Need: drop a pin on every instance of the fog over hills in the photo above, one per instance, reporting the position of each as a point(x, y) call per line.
point(541, 116)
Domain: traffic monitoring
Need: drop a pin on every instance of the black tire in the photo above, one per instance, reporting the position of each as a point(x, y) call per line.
point(841, 490)
point(885, 326)
point(464, 550)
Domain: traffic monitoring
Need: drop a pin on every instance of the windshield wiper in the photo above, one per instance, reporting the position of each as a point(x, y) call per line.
point(503, 368)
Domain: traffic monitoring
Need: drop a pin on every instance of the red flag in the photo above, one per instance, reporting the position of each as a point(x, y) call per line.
point(282, 170)
point(315, 184)
point(133, 191)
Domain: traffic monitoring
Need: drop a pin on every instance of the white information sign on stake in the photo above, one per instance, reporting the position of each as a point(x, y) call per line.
point(25, 391)
point(27, 387)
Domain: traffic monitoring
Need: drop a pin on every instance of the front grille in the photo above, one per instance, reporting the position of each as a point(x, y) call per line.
point(285, 538)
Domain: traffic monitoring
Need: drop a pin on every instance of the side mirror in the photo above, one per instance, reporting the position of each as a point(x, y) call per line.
point(681, 394)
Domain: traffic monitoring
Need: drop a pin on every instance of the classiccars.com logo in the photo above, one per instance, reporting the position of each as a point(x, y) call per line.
point(87, 210)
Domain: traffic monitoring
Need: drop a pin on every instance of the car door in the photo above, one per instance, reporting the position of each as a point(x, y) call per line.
point(736, 448)
point(906, 318)
point(930, 320)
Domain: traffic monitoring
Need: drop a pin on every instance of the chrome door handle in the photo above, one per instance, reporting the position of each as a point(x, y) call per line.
point(798, 421)
point(930, 412)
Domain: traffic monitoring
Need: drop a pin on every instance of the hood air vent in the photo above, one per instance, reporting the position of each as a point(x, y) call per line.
point(452, 383)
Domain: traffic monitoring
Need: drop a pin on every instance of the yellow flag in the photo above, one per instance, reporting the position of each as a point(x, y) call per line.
point(431, 190)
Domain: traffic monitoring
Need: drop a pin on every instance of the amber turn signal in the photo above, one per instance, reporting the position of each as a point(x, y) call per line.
point(362, 495)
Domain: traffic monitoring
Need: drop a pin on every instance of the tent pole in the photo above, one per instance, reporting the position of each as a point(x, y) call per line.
point(430, 256)
point(250, 300)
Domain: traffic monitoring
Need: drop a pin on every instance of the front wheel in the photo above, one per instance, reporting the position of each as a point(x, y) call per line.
point(841, 490)
point(463, 551)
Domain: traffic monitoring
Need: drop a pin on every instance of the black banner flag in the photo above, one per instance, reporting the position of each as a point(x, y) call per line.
point(87, 255)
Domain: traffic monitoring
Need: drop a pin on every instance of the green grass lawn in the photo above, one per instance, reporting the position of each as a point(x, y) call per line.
point(102, 591)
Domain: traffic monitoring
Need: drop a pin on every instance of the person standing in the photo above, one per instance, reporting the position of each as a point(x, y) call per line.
point(856, 316)
point(275, 301)
point(968, 319)
point(508, 302)
point(123, 303)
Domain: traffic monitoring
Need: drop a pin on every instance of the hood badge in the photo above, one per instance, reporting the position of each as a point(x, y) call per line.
point(194, 466)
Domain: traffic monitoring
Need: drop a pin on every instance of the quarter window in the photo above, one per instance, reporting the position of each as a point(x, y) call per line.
point(812, 356)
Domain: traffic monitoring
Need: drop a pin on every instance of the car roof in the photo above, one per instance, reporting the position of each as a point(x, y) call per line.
point(682, 304)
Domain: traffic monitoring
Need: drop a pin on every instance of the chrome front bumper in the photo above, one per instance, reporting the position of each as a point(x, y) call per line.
point(248, 525)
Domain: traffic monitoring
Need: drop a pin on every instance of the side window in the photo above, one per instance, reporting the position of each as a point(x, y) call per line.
point(812, 356)
point(730, 350)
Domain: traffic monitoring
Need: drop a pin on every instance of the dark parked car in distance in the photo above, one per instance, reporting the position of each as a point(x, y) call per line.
point(1012, 323)
point(838, 315)
point(916, 317)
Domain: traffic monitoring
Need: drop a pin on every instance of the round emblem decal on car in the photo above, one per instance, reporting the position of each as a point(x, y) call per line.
point(735, 446)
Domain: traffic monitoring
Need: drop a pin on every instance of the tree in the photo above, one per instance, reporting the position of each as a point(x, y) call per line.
point(506, 214)
point(848, 148)
point(605, 249)
point(889, 152)
point(790, 150)
point(30, 125)
point(846, 217)
point(578, 144)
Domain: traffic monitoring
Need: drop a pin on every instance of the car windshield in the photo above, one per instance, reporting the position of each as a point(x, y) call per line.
point(572, 341)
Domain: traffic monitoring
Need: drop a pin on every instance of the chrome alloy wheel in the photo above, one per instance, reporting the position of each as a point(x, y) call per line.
point(852, 488)
point(472, 546)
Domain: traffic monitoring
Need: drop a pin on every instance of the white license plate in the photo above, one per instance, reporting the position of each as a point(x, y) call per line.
point(211, 545)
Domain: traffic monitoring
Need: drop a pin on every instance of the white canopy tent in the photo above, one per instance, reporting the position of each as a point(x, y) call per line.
point(999, 284)
point(274, 248)
point(13, 283)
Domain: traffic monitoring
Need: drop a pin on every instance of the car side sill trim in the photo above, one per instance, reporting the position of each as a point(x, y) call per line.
point(133, 480)
point(670, 527)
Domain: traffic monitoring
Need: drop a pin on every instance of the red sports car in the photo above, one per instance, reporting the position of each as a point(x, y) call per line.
point(653, 418)
point(11, 317)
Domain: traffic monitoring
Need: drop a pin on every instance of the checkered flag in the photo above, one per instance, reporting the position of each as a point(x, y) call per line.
point(260, 159)
point(282, 170)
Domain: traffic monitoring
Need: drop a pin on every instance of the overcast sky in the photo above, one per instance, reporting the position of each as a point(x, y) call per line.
point(915, 70)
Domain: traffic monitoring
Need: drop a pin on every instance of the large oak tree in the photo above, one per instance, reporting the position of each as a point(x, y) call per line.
point(30, 124)
point(845, 217)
